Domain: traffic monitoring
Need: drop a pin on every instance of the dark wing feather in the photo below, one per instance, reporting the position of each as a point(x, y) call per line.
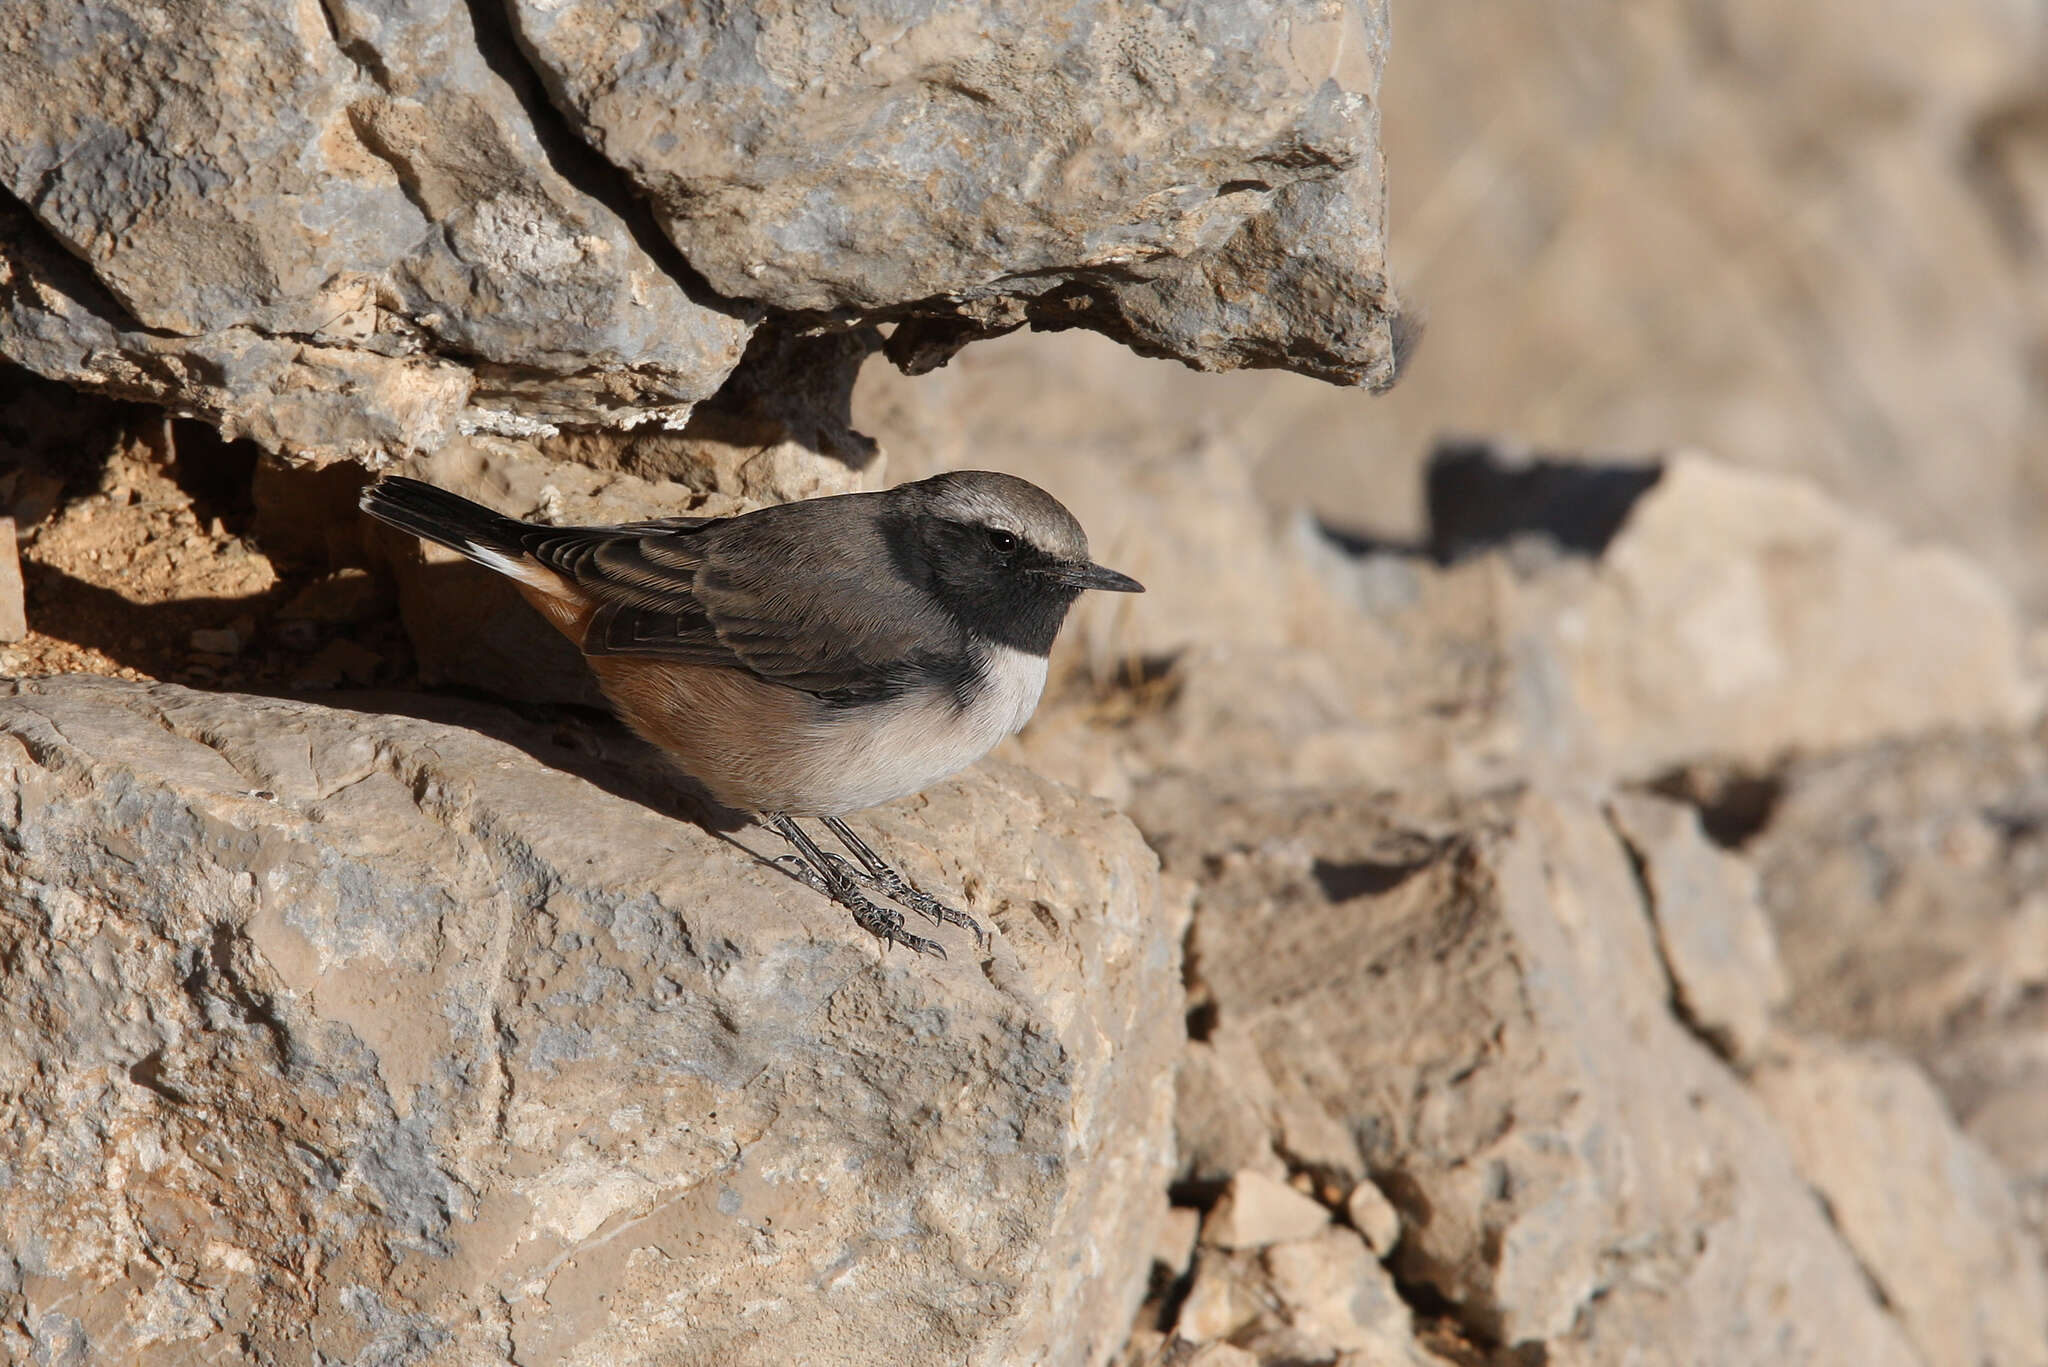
point(803, 594)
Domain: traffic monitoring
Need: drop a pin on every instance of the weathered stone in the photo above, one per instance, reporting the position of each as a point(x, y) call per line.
point(1175, 1251)
point(1723, 617)
point(1872, 1136)
point(1336, 1293)
point(1221, 1355)
point(1203, 184)
point(1571, 1166)
point(1905, 882)
point(361, 181)
point(1374, 1217)
point(1711, 930)
point(13, 605)
point(364, 1035)
point(1256, 1210)
point(1221, 1297)
point(1223, 1112)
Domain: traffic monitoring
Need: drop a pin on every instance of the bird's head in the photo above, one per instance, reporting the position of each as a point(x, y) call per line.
point(1000, 553)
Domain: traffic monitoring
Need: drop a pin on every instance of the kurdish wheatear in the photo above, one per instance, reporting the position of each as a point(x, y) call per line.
point(812, 658)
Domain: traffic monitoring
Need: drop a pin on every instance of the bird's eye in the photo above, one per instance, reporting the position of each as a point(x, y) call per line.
point(1003, 541)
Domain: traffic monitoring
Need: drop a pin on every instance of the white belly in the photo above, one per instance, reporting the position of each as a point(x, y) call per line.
point(881, 754)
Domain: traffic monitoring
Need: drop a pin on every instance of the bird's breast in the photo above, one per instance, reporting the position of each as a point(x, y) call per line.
point(765, 747)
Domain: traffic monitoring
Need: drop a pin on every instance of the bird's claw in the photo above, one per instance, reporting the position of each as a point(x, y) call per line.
point(899, 889)
point(884, 923)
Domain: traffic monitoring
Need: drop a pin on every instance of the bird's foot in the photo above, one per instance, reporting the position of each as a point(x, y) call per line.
point(836, 881)
point(902, 890)
point(878, 875)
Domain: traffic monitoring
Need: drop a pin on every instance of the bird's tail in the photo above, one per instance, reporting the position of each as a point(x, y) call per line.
point(415, 506)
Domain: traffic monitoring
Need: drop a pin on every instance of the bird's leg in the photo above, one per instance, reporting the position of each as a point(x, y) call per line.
point(832, 876)
point(880, 875)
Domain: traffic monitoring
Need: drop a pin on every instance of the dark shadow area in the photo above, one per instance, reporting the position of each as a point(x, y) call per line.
point(217, 475)
point(309, 517)
point(149, 637)
point(1479, 497)
point(1341, 882)
point(1735, 805)
point(1352, 541)
point(792, 385)
point(55, 442)
point(588, 744)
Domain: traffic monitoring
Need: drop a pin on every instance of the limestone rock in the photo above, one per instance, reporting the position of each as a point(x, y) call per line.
point(1223, 1112)
point(13, 611)
point(1221, 1299)
point(1374, 1217)
point(1905, 884)
point(1175, 1252)
point(358, 1034)
point(1337, 1294)
point(1711, 930)
point(363, 181)
point(1256, 1210)
point(1730, 609)
point(1204, 184)
point(1571, 1166)
point(1874, 1138)
point(1221, 1355)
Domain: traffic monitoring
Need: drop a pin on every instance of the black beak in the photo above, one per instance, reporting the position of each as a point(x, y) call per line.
point(1087, 576)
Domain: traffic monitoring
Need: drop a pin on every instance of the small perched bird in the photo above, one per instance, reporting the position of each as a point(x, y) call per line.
point(807, 659)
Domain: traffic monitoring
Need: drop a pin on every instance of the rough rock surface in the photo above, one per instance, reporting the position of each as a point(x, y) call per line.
point(1571, 1167)
point(1871, 1134)
point(1711, 930)
point(373, 1037)
point(1090, 163)
point(361, 227)
point(1906, 886)
point(361, 181)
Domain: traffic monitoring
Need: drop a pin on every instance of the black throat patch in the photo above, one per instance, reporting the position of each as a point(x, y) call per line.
point(1009, 598)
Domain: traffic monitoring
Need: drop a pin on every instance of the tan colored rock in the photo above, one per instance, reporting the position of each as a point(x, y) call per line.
point(1222, 1297)
point(1941, 958)
point(13, 606)
point(1575, 1169)
point(1205, 186)
point(1927, 1211)
point(1713, 935)
point(344, 1032)
point(1221, 1355)
point(1726, 616)
point(1175, 1251)
point(1374, 1217)
point(1255, 1210)
point(1336, 1293)
point(1223, 1115)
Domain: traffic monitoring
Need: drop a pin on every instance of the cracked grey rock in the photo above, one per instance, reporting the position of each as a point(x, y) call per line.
point(357, 179)
point(1870, 1132)
point(1572, 1168)
point(1202, 182)
point(336, 1032)
point(1908, 884)
point(1712, 934)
